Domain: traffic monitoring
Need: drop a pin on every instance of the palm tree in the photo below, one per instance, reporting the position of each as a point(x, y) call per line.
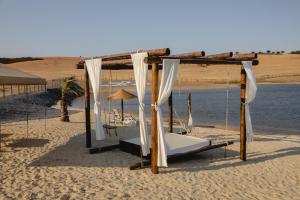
point(68, 86)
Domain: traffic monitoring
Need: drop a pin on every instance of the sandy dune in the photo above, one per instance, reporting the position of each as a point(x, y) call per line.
point(272, 69)
point(54, 164)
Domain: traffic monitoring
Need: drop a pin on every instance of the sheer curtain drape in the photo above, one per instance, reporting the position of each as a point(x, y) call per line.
point(140, 74)
point(94, 70)
point(169, 72)
point(251, 90)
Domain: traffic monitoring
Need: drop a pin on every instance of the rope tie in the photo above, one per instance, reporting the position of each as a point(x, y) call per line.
point(142, 106)
point(155, 106)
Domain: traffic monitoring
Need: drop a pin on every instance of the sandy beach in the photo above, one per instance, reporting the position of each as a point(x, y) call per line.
point(53, 163)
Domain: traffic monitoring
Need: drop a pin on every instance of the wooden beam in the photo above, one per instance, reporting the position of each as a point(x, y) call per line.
point(195, 54)
point(127, 55)
point(159, 60)
point(154, 137)
point(242, 115)
point(87, 109)
point(220, 55)
point(245, 56)
point(170, 101)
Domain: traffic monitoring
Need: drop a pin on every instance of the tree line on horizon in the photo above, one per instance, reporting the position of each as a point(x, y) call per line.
point(4, 60)
point(274, 52)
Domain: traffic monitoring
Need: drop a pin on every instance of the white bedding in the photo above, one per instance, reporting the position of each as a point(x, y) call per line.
point(177, 143)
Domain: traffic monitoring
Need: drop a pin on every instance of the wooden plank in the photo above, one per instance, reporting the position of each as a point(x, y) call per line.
point(208, 61)
point(87, 109)
point(245, 56)
point(195, 54)
point(154, 137)
point(242, 115)
point(220, 55)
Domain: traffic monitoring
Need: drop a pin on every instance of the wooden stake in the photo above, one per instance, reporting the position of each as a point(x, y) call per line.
point(3, 89)
point(189, 105)
point(171, 112)
point(122, 109)
point(87, 109)
point(242, 116)
point(154, 138)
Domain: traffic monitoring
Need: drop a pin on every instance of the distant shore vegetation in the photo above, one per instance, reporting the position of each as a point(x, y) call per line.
point(20, 59)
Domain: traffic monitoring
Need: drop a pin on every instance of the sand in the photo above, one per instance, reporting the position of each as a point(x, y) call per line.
point(54, 164)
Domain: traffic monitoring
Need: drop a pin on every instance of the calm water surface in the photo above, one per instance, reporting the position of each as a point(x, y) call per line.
point(276, 108)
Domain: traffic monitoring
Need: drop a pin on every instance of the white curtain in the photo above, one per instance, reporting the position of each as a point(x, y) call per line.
point(140, 74)
point(190, 120)
point(169, 72)
point(251, 90)
point(94, 70)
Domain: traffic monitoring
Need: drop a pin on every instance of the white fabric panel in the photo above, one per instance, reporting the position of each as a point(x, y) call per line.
point(169, 72)
point(190, 121)
point(140, 75)
point(177, 143)
point(94, 69)
point(251, 90)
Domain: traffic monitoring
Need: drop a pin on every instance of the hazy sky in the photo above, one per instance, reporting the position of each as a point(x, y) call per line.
point(89, 28)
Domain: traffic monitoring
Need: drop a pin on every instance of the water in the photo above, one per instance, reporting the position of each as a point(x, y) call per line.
point(276, 108)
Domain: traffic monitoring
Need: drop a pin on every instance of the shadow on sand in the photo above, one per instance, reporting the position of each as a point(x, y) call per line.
point(74, 153)
point(28, 142)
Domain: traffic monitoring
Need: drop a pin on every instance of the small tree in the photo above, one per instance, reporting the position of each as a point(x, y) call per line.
point(68, 86)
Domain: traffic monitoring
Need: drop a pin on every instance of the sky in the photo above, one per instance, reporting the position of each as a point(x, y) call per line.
point(95, 27)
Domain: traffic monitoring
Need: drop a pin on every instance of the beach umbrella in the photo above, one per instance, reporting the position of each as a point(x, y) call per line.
point(121, 95)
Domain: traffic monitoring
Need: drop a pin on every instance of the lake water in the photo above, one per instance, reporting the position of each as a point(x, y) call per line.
point(276, 108)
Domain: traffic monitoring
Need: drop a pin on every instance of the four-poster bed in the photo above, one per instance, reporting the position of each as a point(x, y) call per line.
point(160, 59)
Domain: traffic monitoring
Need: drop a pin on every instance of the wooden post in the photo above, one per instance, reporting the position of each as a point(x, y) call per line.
point(242, 116)
point(122, 109)
point(11, 90)
point(87, 109)
point(3, 88)
point(171, 112)
point(18, 89)
point(154, 138)
point(189, 105)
